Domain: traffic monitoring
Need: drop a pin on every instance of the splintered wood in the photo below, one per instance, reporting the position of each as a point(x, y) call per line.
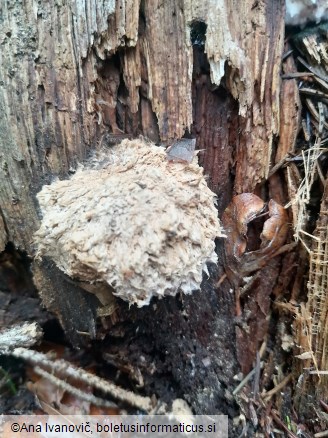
point(318, 293)
point(122, 66)
point(305, 183)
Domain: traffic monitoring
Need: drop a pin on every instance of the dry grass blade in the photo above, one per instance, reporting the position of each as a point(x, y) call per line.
point(303, 194)
point(277, 388)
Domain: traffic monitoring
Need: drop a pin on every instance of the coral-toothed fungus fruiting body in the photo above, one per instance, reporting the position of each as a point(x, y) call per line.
point(132, 219)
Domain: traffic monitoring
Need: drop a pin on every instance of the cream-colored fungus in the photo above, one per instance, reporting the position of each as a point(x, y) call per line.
point(133, 219)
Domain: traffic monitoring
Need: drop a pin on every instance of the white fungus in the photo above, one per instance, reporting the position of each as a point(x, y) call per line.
point(133, 219)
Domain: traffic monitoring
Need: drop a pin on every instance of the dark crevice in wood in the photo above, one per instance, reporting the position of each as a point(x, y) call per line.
point(15, 271)
point(214, 126)
point(106, 92)
point(149, 121)
point(198, 33)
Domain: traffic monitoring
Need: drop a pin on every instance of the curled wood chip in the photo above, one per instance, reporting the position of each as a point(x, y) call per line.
point(275, 229)
point(241, 211)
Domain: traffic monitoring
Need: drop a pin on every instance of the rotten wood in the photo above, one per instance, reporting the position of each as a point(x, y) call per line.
point(77, 76)
point(264, 47)
point(307, 186)
point(253, 271)
point(290, 112)
point(74, 86)
point(67, 105)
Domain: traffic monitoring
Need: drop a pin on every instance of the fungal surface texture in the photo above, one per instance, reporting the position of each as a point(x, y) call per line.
point(133, 219)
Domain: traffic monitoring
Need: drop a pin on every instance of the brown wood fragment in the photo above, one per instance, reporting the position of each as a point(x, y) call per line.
point(290, 113)
point(165, 45)
point(262, 119)
point(313, 70)
point(315, 114)
point(106, 96)
point(252, 325)
point(243, 209)
point(314, 93)
point(236, 219)
point(216, 130)
point(252, 273)
point(132, 75)
point(297, 74)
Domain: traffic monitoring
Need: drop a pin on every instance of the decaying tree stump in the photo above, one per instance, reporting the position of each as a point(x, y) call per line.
point(76, 77)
